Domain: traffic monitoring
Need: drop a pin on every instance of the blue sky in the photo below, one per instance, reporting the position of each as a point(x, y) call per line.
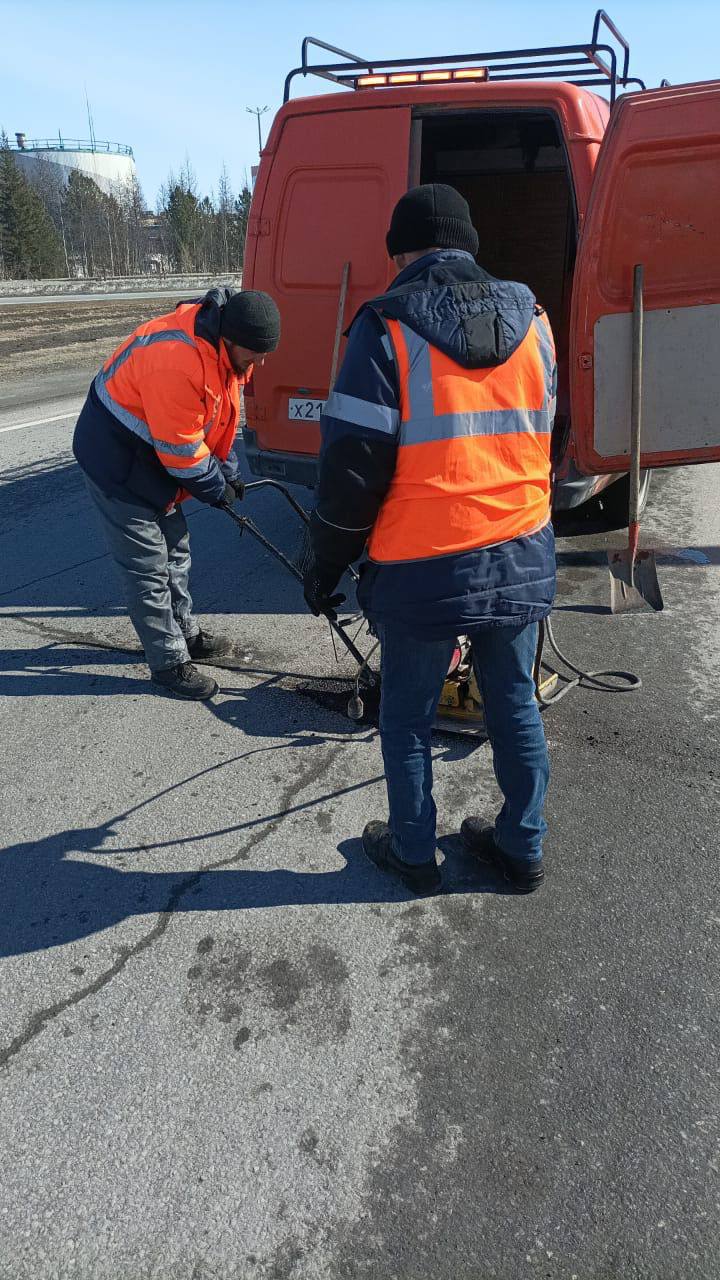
point(174, 78)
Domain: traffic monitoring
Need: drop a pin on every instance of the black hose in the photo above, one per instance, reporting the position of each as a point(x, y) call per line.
point(626, 681)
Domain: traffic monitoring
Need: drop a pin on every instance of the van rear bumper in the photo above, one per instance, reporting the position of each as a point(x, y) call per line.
point(295, 468)
point(570, 490)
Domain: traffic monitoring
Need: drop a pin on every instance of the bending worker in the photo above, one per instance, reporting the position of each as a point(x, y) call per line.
point(158, 427)
point(436, 452)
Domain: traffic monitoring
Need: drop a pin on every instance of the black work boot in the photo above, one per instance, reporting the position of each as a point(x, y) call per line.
point(185, 681)
point(379, 846)
point(479, 838)
point(205, 646)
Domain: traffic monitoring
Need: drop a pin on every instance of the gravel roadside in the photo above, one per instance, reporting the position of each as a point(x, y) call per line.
point(38, 340)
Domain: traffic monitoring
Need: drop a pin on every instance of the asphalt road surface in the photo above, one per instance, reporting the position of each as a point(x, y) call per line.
point(230, 1048)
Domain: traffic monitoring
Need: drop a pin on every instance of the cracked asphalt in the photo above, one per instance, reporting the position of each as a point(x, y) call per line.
point(230, 1048)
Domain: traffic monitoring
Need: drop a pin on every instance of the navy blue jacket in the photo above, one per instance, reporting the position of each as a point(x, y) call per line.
point(125, 466)
point(479, 322)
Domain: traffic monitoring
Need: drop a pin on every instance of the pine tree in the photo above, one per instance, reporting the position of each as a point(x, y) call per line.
point(209, 256)
point(48, 182)
point(182, 219)
point(242, 214)
point(30, 247)
point(225, 219)
point(131, 202)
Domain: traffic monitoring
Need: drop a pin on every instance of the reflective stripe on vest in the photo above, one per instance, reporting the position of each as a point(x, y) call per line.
point(138, 425)
point(473, 460)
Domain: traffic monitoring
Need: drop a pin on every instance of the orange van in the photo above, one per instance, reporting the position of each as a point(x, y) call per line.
point(568, 192)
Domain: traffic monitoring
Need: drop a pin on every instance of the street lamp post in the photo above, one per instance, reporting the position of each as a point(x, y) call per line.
point(258, 111)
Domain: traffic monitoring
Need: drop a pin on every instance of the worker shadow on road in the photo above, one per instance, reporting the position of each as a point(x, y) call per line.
point(77, 669)
point(53, 896)
point(68, 671)
point(292, 703)
point(74, 883)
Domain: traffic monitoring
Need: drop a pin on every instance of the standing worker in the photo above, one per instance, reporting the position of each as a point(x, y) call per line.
point(158, 427)
point(436, 452)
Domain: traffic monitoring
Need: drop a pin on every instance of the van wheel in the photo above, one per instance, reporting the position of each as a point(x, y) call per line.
point(615, 500)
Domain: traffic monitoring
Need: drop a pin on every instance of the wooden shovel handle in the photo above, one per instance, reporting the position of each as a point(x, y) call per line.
point(339, 324)
point(636, 396)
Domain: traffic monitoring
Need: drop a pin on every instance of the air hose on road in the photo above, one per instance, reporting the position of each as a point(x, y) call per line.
point(624, 681)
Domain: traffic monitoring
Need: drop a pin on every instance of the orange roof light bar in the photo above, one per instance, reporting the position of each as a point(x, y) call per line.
point(471, 73)
point(421, 77)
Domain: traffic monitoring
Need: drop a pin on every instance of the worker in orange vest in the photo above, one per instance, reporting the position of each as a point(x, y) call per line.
point(158, 427)
point(436, 457)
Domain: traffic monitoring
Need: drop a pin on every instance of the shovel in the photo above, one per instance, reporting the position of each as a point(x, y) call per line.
point(633, 573)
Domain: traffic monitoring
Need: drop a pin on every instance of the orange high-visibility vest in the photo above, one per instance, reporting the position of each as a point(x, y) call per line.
point(473, 459)
point(175, 391)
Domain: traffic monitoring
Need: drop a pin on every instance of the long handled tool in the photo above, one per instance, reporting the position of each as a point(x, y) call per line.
point(245, 523)
point(633, 573)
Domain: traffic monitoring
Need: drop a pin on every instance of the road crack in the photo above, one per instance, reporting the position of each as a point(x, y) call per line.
point(42, 1018)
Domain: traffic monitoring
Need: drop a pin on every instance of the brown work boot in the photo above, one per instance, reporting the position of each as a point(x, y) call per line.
point(185, 681)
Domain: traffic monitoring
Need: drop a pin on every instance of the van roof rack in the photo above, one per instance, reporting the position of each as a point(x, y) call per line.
point(587, 65)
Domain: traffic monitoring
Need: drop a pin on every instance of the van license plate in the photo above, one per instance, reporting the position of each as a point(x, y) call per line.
point(304, 410)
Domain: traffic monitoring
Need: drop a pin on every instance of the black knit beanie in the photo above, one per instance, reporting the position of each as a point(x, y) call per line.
point(429, 216)
point(251, 319)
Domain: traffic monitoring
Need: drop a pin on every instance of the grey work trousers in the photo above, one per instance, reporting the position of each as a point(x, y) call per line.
point(152, 554)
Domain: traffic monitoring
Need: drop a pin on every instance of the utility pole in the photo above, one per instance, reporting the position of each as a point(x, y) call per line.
point(258, 111)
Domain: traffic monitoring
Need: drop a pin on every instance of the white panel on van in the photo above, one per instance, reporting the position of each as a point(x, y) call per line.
point(681, 381)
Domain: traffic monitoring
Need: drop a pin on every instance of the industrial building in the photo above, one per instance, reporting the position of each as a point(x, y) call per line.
point(109, 164)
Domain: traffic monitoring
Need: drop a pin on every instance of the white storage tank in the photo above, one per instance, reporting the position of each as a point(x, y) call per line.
point(109, 164)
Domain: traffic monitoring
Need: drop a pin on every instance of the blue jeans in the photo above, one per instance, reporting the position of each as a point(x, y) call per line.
point(413, 673)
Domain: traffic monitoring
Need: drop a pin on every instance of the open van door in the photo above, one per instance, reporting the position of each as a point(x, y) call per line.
point(655, 200)
point(328, 182)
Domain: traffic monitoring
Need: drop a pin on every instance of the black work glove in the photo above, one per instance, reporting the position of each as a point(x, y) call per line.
point(319, 581)
point(233, 493)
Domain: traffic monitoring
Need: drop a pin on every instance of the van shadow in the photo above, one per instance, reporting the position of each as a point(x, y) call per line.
point(693, 556)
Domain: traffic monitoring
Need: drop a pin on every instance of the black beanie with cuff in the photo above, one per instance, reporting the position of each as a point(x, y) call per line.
point(431, 216)
point(251, 319)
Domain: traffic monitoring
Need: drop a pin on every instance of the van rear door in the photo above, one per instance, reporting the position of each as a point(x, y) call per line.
point(333, 180)
point(655, 200)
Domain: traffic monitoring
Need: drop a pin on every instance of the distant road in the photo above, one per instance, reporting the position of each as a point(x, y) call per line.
point(63, 409)
point(42, 299)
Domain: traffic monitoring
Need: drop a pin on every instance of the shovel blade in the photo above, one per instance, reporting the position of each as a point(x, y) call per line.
point(634, 586)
